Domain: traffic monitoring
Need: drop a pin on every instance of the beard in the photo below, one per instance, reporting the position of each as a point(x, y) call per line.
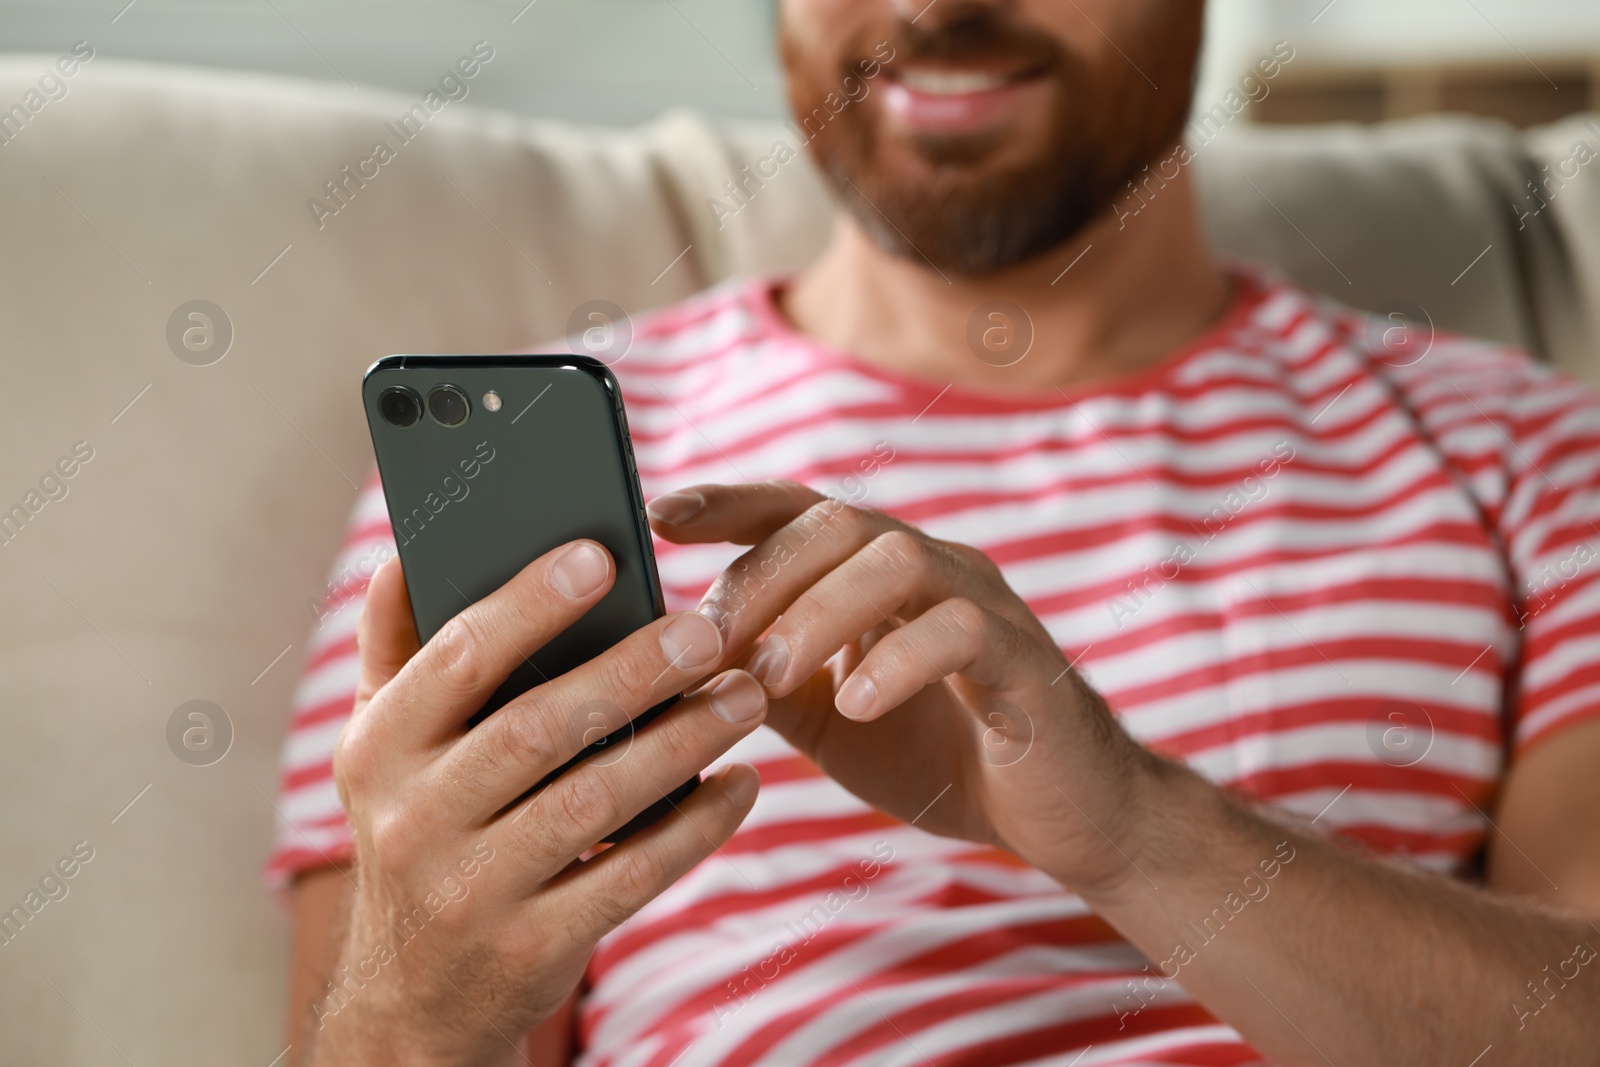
point(978, 204)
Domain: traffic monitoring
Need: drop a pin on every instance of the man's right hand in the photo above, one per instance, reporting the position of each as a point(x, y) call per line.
point(473, 917)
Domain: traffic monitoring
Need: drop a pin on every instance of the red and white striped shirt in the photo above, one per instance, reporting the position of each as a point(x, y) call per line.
point(1351, 582)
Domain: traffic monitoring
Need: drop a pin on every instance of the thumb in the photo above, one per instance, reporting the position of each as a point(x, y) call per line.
point(386, 635)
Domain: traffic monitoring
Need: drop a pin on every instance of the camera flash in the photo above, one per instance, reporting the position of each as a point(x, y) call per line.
point(491, 401)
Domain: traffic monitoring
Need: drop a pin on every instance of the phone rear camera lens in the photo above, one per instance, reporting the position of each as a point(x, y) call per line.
point(400, 406)
point(448, 405)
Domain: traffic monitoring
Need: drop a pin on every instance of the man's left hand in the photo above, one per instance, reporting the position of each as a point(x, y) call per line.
point(909, 671)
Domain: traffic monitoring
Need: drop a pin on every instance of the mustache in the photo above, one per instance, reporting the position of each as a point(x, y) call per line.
point(977, 34)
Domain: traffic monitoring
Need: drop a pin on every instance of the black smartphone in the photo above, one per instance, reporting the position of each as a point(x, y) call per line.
point(488, 462)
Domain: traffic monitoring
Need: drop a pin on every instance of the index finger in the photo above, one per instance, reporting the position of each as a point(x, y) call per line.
point(739, 514)
point(799, 536)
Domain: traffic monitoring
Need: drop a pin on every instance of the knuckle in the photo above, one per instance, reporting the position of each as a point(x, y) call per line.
point(789, 485)
point(832, 517)
point(531, 608)
point(460, 645)
point(514, 742)
point(609, 909)
point(392, 840)
point(966, 618)
point(859, 523)
point(586, 803)
point(453, 922)
point(1008, 639)
point(973, 558)
point(350, 759)
point(525, 738)
point(901, 548)
point(637, 666)
point(799, 623)
point(744, 577)
point(634, 881)
point(679, 746)
point(360, 756)
point(640, 878)
point(538, 840)
point(823, 516)
point(723, 583)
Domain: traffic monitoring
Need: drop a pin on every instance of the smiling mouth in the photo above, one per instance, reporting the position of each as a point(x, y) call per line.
point(936, 82)
point(947, 100)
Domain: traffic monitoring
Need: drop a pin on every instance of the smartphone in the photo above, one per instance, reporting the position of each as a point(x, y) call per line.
point(488, 462)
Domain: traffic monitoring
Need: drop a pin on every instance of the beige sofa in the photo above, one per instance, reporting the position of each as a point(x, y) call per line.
point(179, 563)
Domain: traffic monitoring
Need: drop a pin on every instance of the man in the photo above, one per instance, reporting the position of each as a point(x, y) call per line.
point(1199, 688)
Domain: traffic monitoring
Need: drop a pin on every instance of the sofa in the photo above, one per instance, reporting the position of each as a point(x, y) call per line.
point(213, 459)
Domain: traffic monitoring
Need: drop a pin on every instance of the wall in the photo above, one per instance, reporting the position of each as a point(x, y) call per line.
point(612, 61)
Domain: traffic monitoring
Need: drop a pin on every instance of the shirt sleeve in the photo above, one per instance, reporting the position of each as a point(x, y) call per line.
point(312, 829)
point(1552, 524)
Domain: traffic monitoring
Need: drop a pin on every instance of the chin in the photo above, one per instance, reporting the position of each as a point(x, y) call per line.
point(965, 208)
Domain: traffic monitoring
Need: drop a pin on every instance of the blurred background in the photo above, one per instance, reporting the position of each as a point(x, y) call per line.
point(624, 61)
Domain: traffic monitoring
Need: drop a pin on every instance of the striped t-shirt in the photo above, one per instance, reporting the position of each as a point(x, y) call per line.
point(1352, 577)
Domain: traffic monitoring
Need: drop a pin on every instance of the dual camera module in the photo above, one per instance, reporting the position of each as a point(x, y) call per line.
point(401, 406)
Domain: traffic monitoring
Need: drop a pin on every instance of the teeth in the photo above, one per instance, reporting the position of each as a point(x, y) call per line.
point(949, 83)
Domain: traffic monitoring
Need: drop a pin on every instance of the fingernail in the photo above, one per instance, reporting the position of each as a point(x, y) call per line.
point(713, 610)
point(675, 508)
point(856, 697)
point(741, 788)
point(691, 640)
point(580, 570)
point(737, 698)
point(771, 660)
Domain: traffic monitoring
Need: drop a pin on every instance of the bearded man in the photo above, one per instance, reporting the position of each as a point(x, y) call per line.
point(1136, 666)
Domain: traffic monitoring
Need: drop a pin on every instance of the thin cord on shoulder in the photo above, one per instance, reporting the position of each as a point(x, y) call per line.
point(1486, 522)
point(1511, 679)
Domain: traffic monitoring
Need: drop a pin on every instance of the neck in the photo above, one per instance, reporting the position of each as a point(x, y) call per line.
point(1143, 288)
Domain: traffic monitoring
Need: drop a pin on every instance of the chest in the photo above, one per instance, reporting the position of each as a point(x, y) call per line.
point(1314, 620)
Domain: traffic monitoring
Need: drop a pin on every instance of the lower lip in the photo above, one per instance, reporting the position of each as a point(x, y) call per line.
point(955, 112)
